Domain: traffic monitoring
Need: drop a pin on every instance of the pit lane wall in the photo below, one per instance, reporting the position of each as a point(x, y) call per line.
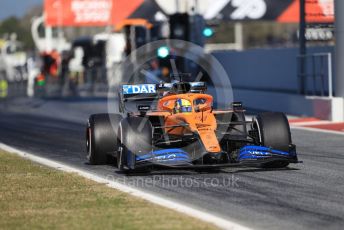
point(266, 79)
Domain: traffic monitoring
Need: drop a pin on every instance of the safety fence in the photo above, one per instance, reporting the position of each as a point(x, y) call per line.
point(315, 74)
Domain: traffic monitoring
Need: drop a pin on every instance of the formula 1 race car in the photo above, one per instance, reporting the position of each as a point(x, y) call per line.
point(184, 131)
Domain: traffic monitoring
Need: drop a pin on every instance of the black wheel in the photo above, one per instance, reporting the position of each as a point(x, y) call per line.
point(135, 134)
point(101, 137)
point(274, 132)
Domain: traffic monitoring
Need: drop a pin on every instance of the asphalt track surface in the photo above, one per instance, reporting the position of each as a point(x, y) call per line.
point(303, 196)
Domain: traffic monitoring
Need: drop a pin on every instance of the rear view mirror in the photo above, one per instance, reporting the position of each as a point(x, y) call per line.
point(201, 108)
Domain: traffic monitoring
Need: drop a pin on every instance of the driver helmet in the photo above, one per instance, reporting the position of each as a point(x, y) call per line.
point(183, 106)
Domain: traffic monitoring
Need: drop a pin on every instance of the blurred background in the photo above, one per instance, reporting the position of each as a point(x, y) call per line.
point(279, 54)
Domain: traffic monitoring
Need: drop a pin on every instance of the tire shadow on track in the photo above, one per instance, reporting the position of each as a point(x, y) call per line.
point(197, 172)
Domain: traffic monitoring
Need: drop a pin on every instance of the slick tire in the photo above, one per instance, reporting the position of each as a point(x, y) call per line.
point(101, 137)
point(135, 135)
point(274, 132)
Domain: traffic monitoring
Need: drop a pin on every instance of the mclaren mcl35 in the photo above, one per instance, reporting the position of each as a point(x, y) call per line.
point(175, 125)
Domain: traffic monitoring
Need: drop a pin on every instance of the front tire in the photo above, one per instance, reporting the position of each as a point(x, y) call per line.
point(274, 132)
point(101, 137)
point(135, 134)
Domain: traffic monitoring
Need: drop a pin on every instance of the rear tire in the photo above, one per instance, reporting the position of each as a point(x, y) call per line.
point(274, 132)
point(135, 134)
point(101, 137)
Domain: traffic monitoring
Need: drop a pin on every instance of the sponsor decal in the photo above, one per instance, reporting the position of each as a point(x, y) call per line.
point(166, 157)
point(91, 11)
point(258, 153)
point(143, 107)
point(317, 11)
point(88, 12)
point(139, 89)
point(250, 9)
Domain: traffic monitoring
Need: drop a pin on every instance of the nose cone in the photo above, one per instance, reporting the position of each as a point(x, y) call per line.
point(209, 140)
point(205, 123)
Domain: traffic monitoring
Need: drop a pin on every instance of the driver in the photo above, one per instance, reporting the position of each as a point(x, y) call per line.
point(183, 106)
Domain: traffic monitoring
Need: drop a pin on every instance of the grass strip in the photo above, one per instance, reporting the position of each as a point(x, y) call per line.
point(33, 196)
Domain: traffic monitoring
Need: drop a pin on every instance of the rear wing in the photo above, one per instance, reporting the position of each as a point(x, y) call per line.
point(139, 92)
point(182, 87)
point(151, 92)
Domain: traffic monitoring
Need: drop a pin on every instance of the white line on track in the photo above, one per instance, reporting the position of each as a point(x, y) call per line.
point(310, 123)
point(296, 125)
point(156, 199)
point(317, 130)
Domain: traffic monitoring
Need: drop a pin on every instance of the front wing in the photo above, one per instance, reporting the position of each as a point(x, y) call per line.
point(250, 155)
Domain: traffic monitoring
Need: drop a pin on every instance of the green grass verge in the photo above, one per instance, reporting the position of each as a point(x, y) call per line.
point(36, 197)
